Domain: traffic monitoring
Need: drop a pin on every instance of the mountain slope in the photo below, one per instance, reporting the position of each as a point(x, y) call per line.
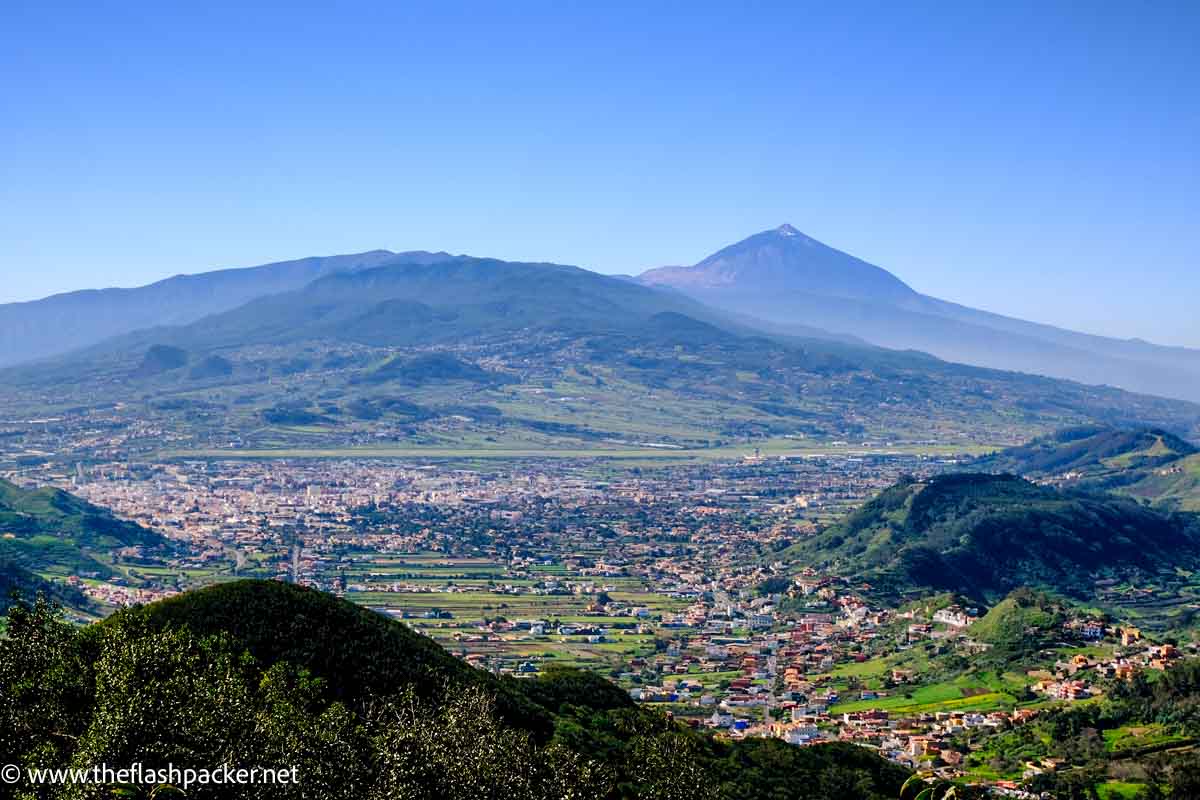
point(48, 530)
point(984, 535)
point(534, 355)
point(69, 321)
point(399, 302)
point(16, 581)
point(283, 622)
point(1145, 463)
point(784, 276)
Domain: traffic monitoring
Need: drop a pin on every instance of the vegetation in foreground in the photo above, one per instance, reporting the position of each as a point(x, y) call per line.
point(271, 675)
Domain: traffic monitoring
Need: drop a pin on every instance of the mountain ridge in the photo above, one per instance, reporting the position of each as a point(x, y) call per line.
point(66, 321)
point(645, 359)
point(1149, 464)
point(780, 280)
point(782, 275)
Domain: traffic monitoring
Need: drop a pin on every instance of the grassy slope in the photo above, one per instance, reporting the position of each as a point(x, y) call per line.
point(48, 529)
point(1149, 464)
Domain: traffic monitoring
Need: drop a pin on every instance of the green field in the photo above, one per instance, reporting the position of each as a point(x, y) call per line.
point(966, 693)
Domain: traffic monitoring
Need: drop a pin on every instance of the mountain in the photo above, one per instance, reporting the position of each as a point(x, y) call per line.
point(272, 675)
point(69, 321)
point(784, 276)
point(50, 531)
point(780, 282)
point(984, 535)
point(1144, 463)
point(535, 354)
point(786, 259)
point(401, 301)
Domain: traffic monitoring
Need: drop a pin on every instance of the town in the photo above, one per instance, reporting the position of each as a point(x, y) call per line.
point(663, 578)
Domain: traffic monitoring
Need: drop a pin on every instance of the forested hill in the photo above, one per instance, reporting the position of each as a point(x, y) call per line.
point(269, 674)
point(1146, 463)
point(984, 535)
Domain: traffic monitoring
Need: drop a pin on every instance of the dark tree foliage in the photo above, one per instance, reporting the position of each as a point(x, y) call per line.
point(983, 535)
point(262, 674)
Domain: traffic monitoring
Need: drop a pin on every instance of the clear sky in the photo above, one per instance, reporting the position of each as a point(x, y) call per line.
point(1035, 159)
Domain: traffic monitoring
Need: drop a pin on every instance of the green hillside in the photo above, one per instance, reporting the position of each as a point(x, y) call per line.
point(1020, 625)
point(984, 535)
point(1145, 463)
point(296, 625)
point(270, 675)
point(49, 530)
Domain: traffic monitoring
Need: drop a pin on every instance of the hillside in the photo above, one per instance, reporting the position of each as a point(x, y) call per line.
point(47, 530)
point(69, 321)
point(784, 276)
point(531, 356)
point(281, 622)
point(1020, 625)
point(18, 581)
point(984, 535)
point(1149, 464)
point(274, 675)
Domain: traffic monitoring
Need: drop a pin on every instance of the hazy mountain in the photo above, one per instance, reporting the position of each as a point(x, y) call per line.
point(784, 276)
point(784, 258)
point(545, 353)
point(779, 281)
point(65, 322)
point(403, 301)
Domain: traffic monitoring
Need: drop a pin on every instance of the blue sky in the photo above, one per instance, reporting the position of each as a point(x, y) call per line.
point(1034, 159)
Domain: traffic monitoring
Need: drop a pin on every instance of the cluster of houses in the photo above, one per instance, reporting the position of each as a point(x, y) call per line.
point(780, 680)
point(1075, 678)
point(116, 592)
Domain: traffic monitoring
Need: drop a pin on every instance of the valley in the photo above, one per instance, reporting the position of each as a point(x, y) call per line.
point(539, 481)
point(697, 584)
point(599, 401)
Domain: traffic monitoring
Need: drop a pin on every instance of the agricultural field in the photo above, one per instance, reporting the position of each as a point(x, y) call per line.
point(966, 693)
point(459, 603)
